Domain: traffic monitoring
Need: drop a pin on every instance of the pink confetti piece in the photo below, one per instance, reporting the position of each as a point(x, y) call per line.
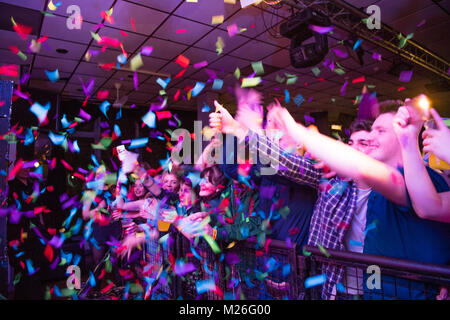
point(360, 79)
point(181, 31)
point(147, 51)
point(320, 29)
point(405, 76)
point(340, 54)
point(182, 61)
point(135, 80)
point(232, 30)
point(376, 56)
point(421, 23)
point(201, 64)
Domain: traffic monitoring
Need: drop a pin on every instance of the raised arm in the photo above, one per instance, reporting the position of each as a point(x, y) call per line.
point(426, 201)
point(293, 167)
point(346, 161)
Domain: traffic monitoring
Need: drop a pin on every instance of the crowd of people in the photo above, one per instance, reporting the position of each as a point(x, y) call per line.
point(373, 194)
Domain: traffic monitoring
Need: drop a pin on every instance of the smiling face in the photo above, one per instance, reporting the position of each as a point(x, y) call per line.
point(170, 183)
point(207, 188)
point(186, 195)
point(359, 140)
point(138, 189)
point(384, 145)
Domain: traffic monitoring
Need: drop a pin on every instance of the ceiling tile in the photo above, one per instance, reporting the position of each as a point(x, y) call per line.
point(279, 59)
point(249, 18)
point(209, 41)
point(166, 5)
point(203, 11)
point(131, 42)
point(75, 51)
point(194, 31)
point(46, 85)
point(51, 64)
point(35, 4)
point(164, 49)
point(12, 39)
point(92, 69)
point(56, 27)
point(145, 19)
point(229, 64)
point(254, 51)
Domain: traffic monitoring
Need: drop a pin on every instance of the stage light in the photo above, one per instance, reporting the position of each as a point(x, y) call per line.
point(297, 29)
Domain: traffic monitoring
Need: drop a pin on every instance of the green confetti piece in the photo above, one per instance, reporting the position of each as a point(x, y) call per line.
point(322, 249)
point(258, 67)
point(339, 71)
point(96, 36)
point(316, 71)
point(250, 82)
point(284, 212)
point(17, 278)
point(215, 248)
point(162, 92)
point(280, 79)
point(136, 62)
point(48, 14)
point(357, 100)
point(237, 73)
point(136, 288)
point(291, 80)
point(48, 296)
point(22, 56)
point(67, 292)
point(108, 266)
point(306, 253)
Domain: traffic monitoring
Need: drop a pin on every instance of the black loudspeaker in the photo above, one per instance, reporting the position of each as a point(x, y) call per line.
point(310, 54)
point(6, 91)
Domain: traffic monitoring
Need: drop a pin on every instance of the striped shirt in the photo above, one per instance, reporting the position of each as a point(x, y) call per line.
point(334, 208)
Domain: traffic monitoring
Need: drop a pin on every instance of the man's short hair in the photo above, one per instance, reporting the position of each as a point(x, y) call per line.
point(360, 125)
point(389, 106)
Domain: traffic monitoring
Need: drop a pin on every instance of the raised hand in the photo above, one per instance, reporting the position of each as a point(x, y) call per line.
point(222, 121)
point(407, 126)
point(437, 140)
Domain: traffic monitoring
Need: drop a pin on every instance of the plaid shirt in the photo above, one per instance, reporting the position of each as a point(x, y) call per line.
point(334, 208)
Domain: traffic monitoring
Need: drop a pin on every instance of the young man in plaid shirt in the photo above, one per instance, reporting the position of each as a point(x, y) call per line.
point(399, 232)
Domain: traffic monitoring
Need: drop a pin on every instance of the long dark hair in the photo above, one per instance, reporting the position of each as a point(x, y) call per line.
point(217, 177)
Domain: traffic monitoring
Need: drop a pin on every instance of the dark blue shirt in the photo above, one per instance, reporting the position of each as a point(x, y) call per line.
point(400, 233)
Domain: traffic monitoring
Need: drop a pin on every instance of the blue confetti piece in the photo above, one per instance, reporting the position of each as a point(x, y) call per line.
point(340, 288)
point(205, 108)
point(286, 269)
point(271, 264)
point(57, 139)
point(117, 130)
point(119, 114)
point(56, 291)
point(203, 286)
point(194, 177)
point(315, 281)
point(287, 97)
point(40, 111)
point(248, 282)
point(217, 84)
point(53, 76)
point(149, 119)
point(196, 254)
point(29, 137)
point(138, 143)
point(76, 148)
point(357, 44)
point(197, 88)
point(104, 107)
point(298, 100)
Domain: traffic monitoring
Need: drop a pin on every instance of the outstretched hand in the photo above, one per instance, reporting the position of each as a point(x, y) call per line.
point(407, 126)
point(222, 121)
point(437, 140)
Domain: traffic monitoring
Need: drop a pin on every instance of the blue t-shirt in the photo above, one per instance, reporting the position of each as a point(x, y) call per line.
point(400, 233)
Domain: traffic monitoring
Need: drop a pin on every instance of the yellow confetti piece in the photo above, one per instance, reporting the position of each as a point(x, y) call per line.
point(136, 62)
point(220, 44)
point(230, 1)
point(217, 19)
point(88, 56)
point(192, 1)
point(237, 73)
point(189, 95)
point(231, 245)
point(250, 82)
point(51, 6)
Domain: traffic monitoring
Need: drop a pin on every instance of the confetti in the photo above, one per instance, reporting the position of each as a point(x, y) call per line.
point(250, 82)
point(405, 76)
point(104, 107)
point(220, 44)
point(182, 61)
point(217, 84)
point(136, 62)
point(315, 281)
point(40, 111)
point(357, 44)
point(232, 30)
point(53, 76)
point(287, 97)
point(360, 79)
point(146, 51)
point(246, 3)
point(198, 88)
point(138, 143)
point(181, 31)
point(298, 100)
point(217, 19)
point(258, 67)
point(149, 119)
point(340, 54)
point(316, 71)
point(200, 64)
point(320, 29)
